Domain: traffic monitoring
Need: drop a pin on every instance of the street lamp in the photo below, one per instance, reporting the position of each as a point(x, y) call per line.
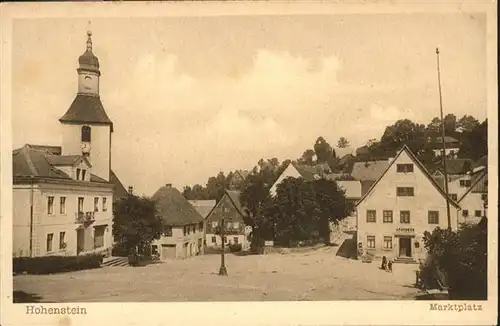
point(223, 269)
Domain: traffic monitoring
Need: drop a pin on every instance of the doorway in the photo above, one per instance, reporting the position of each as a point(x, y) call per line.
point(80, 241)
point(404, 247)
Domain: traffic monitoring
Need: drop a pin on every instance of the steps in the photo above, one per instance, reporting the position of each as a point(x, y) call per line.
point(115, 262)
point(405, 260)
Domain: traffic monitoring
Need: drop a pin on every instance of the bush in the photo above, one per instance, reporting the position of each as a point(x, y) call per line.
point(236, 247)
point(55, 264)
point(119, 250)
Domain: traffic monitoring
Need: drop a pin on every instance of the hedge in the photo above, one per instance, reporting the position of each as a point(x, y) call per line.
point(55, 264)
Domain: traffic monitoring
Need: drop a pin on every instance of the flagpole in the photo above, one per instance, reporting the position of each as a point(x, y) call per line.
point(444, 145)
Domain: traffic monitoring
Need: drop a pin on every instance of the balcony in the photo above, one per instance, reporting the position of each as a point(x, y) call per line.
point(84, 217)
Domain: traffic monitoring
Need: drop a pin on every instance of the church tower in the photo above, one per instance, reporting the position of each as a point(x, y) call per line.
point(87, 128)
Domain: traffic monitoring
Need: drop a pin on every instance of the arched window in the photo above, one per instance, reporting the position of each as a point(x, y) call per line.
point(86, 133)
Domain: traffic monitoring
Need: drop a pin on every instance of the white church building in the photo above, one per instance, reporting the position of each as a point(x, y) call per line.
point(63, 195)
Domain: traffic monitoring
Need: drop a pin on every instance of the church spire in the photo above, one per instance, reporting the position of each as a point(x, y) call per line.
point(89, 40)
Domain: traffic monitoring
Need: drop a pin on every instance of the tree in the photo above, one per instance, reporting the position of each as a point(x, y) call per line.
point(434, 127)
point(308, 157)
point(323, 150)
point(135, 222)
point(333, 206)
point(343, 143)
point(256, 199)
point(216, 186)
point(467, 123)
point(461, 257)
point(450, 124)
point(474, 143)
point(403, 132)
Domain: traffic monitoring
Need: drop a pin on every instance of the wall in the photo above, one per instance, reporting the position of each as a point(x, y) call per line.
point(290, 171)
point(471, 202)
point(57, 222)
point(100, 153)
point(383, 197)
point(180, 240)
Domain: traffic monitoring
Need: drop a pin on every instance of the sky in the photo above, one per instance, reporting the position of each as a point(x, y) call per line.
point(192, 96)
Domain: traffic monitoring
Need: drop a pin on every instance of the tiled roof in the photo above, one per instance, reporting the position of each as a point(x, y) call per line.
point(352, 188)
point(370, 170)
point(64, 160)
point(203, 206)
point(86, 109)
point(54, 150)
point(457, 166)
point(119, 190)
point(420, 166)
point(366, 185)
point(309, 171)
point(27, 161)
point(234, 195)
point(174, 209)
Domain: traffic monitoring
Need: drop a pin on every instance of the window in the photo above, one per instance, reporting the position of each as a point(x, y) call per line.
point(214, 240)
point(50, 237)
point(214, 224)
point(168, 231)
point(99, 236)
point(387, 216)
point(433, 217)
point(235, 239)
point(62, 205)
point(50, 205)
point(404, 191)
point(387, 242)
point(453, 197)
point(80, 204)
point(83, 174)
point(185, 230)
point(465, 212)
point(154, 249)
point(62, 243)
point(96, 204)
point(371, 216)
point(85, 133)
point(404, 168)
point(465, 183)
point(370, 241)
point(225, 209)
point(417, 245)
point(477, 213)
point(200, 226)
point(404, 217)
point(104, 204)
point(236, 225)
point(78, 174)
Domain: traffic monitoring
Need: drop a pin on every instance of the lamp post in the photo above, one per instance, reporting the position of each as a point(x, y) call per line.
point(223, 269)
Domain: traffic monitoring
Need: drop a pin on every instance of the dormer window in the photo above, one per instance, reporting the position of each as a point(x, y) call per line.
point(86, 134)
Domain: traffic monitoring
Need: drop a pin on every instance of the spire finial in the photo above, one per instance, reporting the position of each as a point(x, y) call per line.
point(89, 38)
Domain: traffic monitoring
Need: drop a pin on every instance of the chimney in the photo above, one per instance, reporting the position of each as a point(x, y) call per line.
point(168, 185)
point(130, 190)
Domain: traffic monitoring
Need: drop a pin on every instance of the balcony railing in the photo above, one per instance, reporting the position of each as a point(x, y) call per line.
point(84, 217)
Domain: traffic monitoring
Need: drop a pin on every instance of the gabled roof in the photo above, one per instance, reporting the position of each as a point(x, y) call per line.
point(234, 195)
point(419, 165)
point(174, 209)
point(49, 149)
point(203, 206)
point(308, 172)
point(86, 109)
point(483, 161)
point(119, 190)
point(370, 170)
point(476, 185)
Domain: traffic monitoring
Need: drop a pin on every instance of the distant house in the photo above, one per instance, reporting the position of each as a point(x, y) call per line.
point(238, 178)
point(184, 229)
point(473, 202)
point(459, 178)
point(229, 207)
point(353, 193)
point(308, 172)
point(369, 170)
point(404, 202)
point(436, 144)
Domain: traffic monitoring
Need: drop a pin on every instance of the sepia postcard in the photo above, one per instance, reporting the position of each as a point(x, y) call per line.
point(249, 163)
